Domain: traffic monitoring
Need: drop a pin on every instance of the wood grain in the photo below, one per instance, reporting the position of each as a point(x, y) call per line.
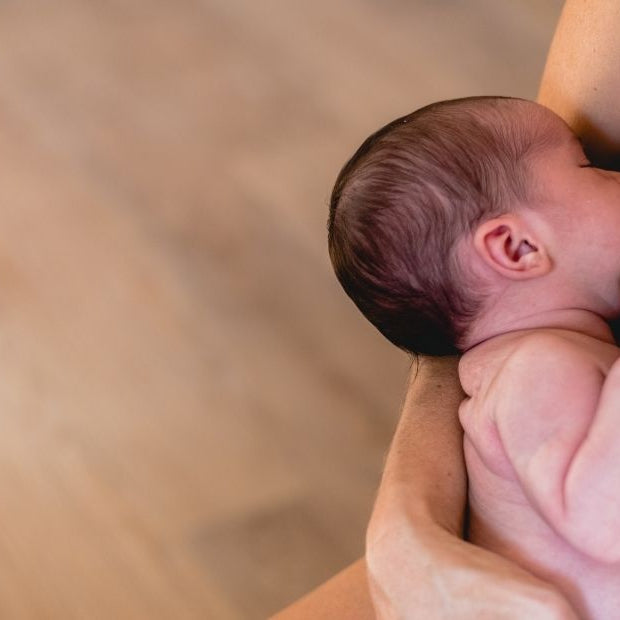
point(193, 416)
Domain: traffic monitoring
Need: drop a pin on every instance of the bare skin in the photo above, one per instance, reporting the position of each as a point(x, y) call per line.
point(541, 375)
point(542, 459)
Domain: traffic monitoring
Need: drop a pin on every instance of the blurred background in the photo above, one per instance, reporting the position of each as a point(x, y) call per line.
point(193, 416)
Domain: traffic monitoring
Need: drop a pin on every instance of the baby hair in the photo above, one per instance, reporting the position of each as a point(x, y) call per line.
point(410, 192)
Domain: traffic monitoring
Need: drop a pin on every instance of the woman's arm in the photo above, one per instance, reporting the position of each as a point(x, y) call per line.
point(423, 488)
point(428, 445)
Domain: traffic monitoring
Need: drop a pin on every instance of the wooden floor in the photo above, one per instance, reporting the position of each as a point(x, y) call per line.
point(192, 414)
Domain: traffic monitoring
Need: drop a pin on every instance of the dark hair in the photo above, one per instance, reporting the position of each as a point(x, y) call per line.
point(404, 199)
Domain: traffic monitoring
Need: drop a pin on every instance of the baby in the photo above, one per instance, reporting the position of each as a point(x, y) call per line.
point(478, 226)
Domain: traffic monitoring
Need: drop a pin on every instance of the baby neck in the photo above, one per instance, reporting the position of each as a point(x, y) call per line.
point(576, 320)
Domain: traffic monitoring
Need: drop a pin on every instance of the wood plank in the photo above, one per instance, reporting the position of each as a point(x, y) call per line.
point(190, 406)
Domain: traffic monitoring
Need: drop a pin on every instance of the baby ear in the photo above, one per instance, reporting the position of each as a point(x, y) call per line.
point(507, 245)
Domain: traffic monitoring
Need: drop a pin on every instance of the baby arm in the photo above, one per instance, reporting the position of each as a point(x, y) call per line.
point(559, 421)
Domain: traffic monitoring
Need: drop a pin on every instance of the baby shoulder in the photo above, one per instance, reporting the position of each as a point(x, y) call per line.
point(548, 367)
point(548, 353)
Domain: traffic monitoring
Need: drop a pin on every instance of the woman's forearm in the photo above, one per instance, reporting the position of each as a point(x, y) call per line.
point(422, 492)
point(424, 471)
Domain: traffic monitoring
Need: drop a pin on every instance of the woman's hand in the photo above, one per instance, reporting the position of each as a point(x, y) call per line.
point(420, 570)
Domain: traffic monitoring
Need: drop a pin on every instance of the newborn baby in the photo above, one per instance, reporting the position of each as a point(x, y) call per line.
point(478, 226)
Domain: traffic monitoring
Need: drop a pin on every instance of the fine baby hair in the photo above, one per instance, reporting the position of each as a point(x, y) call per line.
point(410, 192)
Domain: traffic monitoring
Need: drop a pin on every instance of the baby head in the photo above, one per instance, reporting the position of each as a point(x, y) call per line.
point(414, 190)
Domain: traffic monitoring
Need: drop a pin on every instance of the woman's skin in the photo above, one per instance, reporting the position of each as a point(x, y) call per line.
point(416, 565)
